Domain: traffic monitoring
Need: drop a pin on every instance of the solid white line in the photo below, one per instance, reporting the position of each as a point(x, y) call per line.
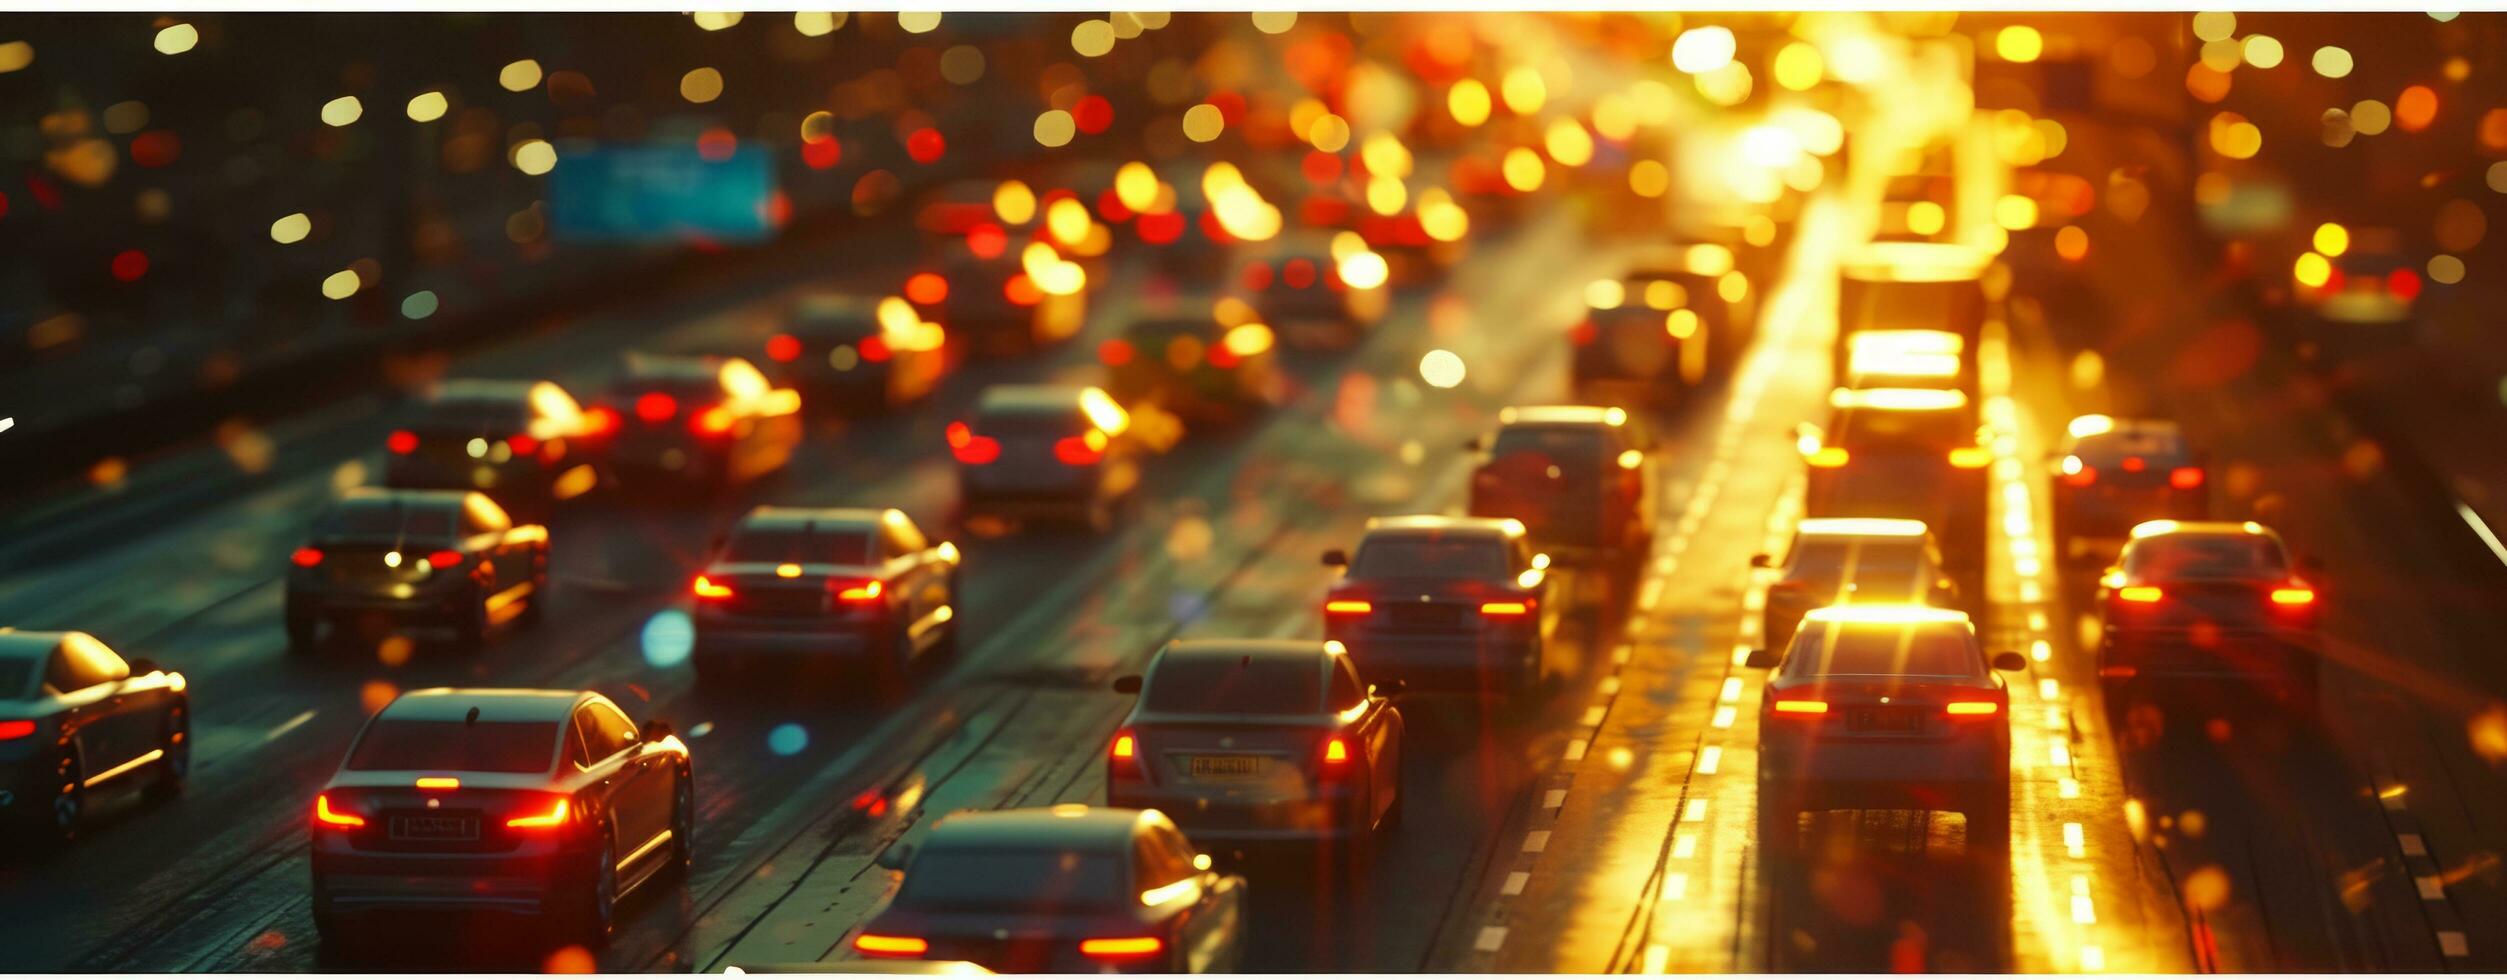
point(2496, 549)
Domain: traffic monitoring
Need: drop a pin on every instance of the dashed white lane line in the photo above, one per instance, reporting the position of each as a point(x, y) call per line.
point(1555, 799)
point(1710, 759)
point(2453, 944)
point(1515, 880)
point(1692, 813)
point(1575, 749)
point(1536, 842)
point(1610, 685)
point(287, 726)
point(2413, 846)
point(1593, 715)
point(1491, 939)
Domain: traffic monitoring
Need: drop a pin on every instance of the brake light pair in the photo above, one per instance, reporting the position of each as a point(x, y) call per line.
point(1113, 948)
point(2284, 596)
point(1968, 709)
point(970, 448)
point(2181, 478)
point(1361, 607)
point(328, 817)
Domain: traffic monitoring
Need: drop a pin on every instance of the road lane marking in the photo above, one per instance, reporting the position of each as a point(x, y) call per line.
point(1593, 715)
point(2075, 842)
point(1684, 846)
point(1575, 750)
point(1535, 842)
point(1723, 717)
point(1515, 880)
point(1610, 685)
point(1491, 937)
point(2432, 887)
point(1731, 691)
point(2483, 529)
point(1693, 812)
point(1555, 799)
point(287, 726)
point(1710, 759)
point(2453, 944)
point(2413, 846)
point(1675, 887)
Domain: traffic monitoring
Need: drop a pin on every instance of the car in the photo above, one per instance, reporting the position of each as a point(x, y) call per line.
point(1909, 285)
point(1659, 331)
point(544, 805)
point(1908, 359)
point(1049, 451)
point(2112, 474)
point(815, 586)
point(446, 558)
point(1199, 368)
point(1444, 604)
point(996, 307)
point(856, 353)
point(937, 968)
point(1842, 561)
point(1913, 453)
point(528, 444)
point(1577, 476)
point(1062, 889)
point(1885, 707)
point(1320, 291)
point(80, 726)
point(698, 421)
point(1258, 743)
point(2208, 605)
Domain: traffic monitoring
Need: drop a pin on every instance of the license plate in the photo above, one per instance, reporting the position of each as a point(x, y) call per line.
point(1425, 614)
point(1883, 720)
point(1228, 766)
point(435, 828)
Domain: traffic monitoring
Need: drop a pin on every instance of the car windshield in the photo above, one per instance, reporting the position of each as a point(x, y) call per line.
point(2157, 447)
point(827, 547)
point(1419, 556)
point(391, 519)
point(471, 415)
point(1841, 557)
point(1576, 451)
point(1823, 650)
point(454, 746)
point(1266, 685)
point(1013, 880)
point(1033, 424)
point(17, 677)
point(1891, 430)
point(2206, 556)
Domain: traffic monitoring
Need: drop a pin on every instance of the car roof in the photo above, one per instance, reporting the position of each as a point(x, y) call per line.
point(493, 703)
point(1029, 399)
point(813, 518)
point(831, 306)
point(1860, 527)
point(1066, 826)
point(1562, 415)
point(2184, 529)
point(1888, 617)
point(401, 497)
point(481, 390)
point(674, 367)
point(1421, 524)
point(1205, 651)
point(16, 645)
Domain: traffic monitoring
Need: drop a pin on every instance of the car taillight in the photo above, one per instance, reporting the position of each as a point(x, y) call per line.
point(1124, 753)
point(1335, 754)
point(1504, 610)
point(552, 815)
point(306, 557)
point(447, 558)
point(713, 421)
point(2185, 477)
point(854, 590)
point(1801, 707)
point(2134, 464)
point(402, 442)
point(523, 445)
point(1584, 333)
point(1971, 709)
point(2293, 596)
point(872, 944)
point(707, 588)
point(1078, 451)
point(1125, 948)
point(2081, 477)
point(1257, 276)
point(599, 420)
point(971, 448)
point(1348, 607)
point(656, 407)
point(1827, 457)
point(12, 730)
point(1298, 274)
point(783, 348)
point(1970, 457)
point(325, 816)
point(2140, 593)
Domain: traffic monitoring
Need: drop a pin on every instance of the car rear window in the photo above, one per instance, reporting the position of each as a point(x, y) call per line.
point(1054, 424)
point(471, 415)
point(1228, 685)
point(1014, 880)
point(1576, 451)
point(1420, 556)
point(1824, 649)
point(1883, 430)
point(384, 519)
point(1835, 556)
point(846, 547)
point(2201, 556)
point(454, 746)
point(2158, 447)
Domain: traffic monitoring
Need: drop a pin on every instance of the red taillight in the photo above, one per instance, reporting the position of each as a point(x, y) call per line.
point(1258, 276)
point(446, 558)
point(2134, 464)
point(2293, 596)
point(783, 348)
point(1298, 274)
point(2084, 477)
point(2140, 594)
point(1126, 948)
point(306, 557)
point(656, 407)
point(855, 590)
point(523, 445)
point(1021, 290)
point(1335, 752)
point(926, 288)
point(875, 350)
point(1115, 353)
point(1348, 607)
point(713, 421)
point(971, 448)
point(1585, 333)
point(869, 944)
point(11, 730)
point(402, 442)
point(1124, 754)
point(1076, 451)
point(2404, 284)
point(1971, 709)
point(1505, 610)
point(553, 816)
point(599, 420)
point(325, 816)
point(707, 588)
point(1801, 707)
point(2185, 477)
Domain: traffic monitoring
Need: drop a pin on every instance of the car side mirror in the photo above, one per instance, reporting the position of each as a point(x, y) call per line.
point(143, 666)
point(1391, 688)
point(1762, 560)
point(1127, 684)
point(1336, 558)
point(655, 730)
point(1761, 658)
point(896, 856)
point(2009, 660)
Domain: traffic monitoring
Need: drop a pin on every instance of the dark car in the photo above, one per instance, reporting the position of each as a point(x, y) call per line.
point(2207, 605)
point(548, 805)
point(2111, 474)
point(1843, 561)
point(528, 444)
point(78, 726)
point(1317, 290)
point(1261, 742)
point(1197, 368)
point(1659, 331)
point(1050, 451)
point(857, 353)
point(1913, 453)
point(1065, 889)
point(1577, 476)
point(1885, 707)
point(695, 420)
point(1444, 604)
point(819, 586)
point(998, 307)
point(443, 558)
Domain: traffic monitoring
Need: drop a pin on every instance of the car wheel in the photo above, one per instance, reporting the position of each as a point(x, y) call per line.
point(69, 799)
point(599, 908)
point(175, 740)
point(683, 825)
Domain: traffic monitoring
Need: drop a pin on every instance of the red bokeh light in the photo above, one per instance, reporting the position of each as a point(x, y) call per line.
point(822, 153)
point(1093, 114)
point(130, 265)
point(925, 145)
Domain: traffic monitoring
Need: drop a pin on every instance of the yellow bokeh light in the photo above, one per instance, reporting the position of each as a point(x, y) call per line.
point(701, 85)
point(1605, 294)
point(1067, 220)
point(817, 23)
point(1726, 86)
point(2263, 51)
point(1524, 170)
point(1203, 123)
point(1385, 156)
point(428, 106)
point(1523, 90)
point(1136, 186)
point(2332, 239)
point(1274, 21)
point(16, 55)
point(918, 21)
point(1925, 218)
point(1092, 38)
point(340, 285)
point(1014, 202)
point(2019, 43)
point(1363, 270)
point(2234, 137)
point(342, 111)
point(2445, 270)
point(1703, 49)
point(2331, 62)
point(2312, 270)
point(1649, 178)
point(2215, 25)
point(534, 157)
point(1330, 133)
point(519, 76)
point(715, 20)
point(1054, 127)
point(1568, 143)
point(2016, 212)
point(2369, 117)
point(1798, 66)
point(177, 38)
point(1468, 102)
point(1386, 195)
point(1442, 369)
point(291, 229)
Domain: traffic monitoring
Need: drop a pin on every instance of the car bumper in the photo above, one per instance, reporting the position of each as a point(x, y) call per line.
point(1213, 822)
point(1838, 774)
point(361, 884)
point(2251, 659)
point(719, 640)
point(1440, 664)
point(416, 605)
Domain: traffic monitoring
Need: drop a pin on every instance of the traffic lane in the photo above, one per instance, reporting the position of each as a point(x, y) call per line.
point(2269, 836)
